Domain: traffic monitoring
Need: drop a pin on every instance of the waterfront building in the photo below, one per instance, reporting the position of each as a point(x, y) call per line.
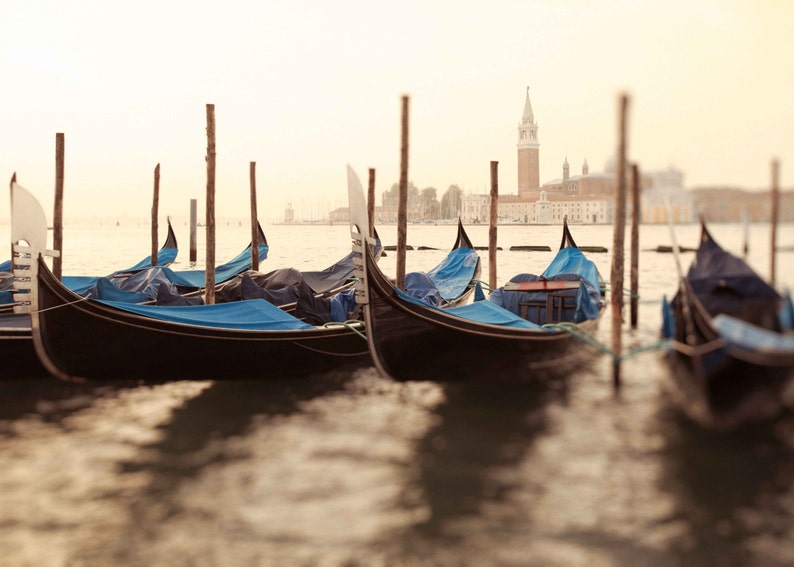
point(587, 197)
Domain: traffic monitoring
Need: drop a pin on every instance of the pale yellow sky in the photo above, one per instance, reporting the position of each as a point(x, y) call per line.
point(305, 87)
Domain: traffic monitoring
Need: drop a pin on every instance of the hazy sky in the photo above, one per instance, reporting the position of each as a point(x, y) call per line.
point(305, 87)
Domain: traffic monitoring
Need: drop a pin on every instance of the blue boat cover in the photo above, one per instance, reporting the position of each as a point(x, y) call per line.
point(147, 280)
point(571, 260)
point(420, 286)
point(6, 287)
point(5, 266)
point(746, 335)
point(224, 272)
point(725, 283)
point(165, 256)
point(480, 312)
point(105, 289)
point(248, 315)
point(453, 275)
point(668, 319)
point(786, 314)
point(569, 264)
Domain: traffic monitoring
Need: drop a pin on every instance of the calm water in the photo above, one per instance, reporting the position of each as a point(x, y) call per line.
point(352, 469)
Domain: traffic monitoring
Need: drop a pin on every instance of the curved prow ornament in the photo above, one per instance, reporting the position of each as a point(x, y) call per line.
point(359, 232)
point(29, 241)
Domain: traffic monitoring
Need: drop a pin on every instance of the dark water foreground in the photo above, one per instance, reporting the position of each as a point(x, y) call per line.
point(352, 469)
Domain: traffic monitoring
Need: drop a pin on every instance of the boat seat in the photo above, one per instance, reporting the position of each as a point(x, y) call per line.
point(554, 306)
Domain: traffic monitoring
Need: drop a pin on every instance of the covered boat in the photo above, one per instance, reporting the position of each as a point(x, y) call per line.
point(410, 339)
point(730, 357)
point(78, 338)
point(17, 354)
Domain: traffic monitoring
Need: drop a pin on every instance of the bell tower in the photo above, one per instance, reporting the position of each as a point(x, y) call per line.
point(528, 151)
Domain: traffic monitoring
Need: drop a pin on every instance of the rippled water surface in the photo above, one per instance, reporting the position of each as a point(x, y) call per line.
point(349, 468)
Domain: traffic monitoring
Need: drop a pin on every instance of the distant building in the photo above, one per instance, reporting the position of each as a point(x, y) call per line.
point(728, 204)
point(528, 152)
point(586, 198)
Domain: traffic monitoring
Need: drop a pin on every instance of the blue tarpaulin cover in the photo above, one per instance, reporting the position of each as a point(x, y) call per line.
point(248, 315)
point(741, 333)
point(224, 272)
point(481, 312)
point(147, 280)
point(165, 256)
point(786, 314)
point(568, 264)
point(453, 275)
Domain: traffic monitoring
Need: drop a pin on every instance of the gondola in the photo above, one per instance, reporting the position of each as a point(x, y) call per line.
point(17, 354)
point(78, 338)
point(479, 341)
point(730, 361)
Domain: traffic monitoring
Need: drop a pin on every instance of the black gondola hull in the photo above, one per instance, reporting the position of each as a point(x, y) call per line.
point(720, 385)
point(414, 342)
point(17, 353)
point(86, 339)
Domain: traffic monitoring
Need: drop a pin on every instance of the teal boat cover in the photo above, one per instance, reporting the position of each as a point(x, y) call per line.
point(746, 335)
point(247, 315)
point(786, 314)
point(453, 275)
point(147, 280)
point(480, 312)
point(569, 264)
point(165, 256)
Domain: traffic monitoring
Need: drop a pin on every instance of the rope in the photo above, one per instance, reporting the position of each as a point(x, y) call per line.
point(349, 325)
point(483, 284)
point(589, 339)
point(57, 306)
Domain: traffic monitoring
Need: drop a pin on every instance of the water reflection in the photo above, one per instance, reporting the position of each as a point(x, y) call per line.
point(465, 466)
point(197, 434)
point(48, 399)
point(733, 492)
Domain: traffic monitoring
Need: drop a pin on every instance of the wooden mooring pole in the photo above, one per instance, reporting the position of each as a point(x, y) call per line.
point(774, 213)
point(155, 207)
point(254, 223)
point(402, 203)
point(616, 278)
point(493, 221)
point(209, 268)
point(635, 243)
point(57, 219)
point(193, 223)
point(371, 202)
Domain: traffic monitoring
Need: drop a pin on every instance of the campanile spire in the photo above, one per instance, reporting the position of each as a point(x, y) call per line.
point(528, 150)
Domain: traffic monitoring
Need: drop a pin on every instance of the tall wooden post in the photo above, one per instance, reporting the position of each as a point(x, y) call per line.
point(635, 243)
point(254, 223)
point(402, 203)
point(616, 279)
point(371, 202)
point(209, 278)
point(155, 207)
point(193, 223)
point(492, 223)
point(57, 235)
point(773, 220)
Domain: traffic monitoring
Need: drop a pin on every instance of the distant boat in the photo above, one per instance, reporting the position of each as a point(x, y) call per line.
point(730, 361)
